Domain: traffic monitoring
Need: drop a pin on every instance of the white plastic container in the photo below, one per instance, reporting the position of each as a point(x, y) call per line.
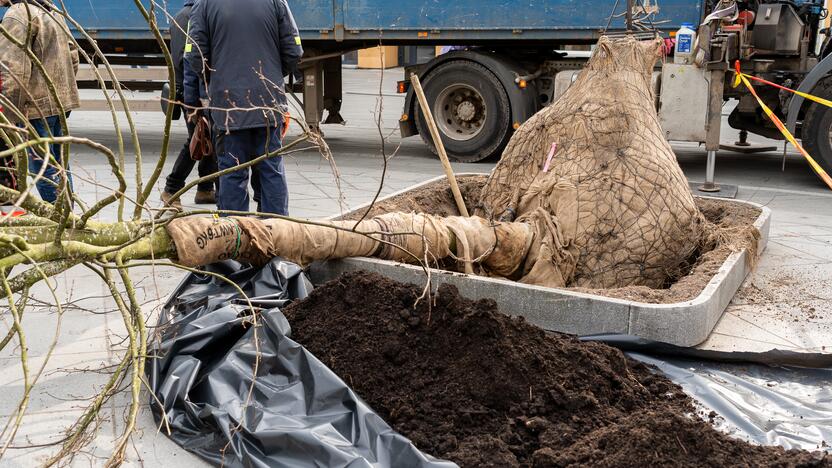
point(685, 38)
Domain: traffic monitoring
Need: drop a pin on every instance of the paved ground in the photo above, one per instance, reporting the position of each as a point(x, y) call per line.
point(783, 304)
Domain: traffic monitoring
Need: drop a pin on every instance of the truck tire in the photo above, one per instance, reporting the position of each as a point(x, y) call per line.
point(817, 128)
point(471, 109)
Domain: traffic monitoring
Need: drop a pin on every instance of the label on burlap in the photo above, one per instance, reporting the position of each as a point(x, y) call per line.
point(202, 241)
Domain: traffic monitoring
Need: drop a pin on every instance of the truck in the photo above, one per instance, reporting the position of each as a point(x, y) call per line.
point(511, 58)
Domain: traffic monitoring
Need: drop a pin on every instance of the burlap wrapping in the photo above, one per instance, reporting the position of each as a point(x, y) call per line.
point(613, 183)
point(411, 235)
point(514, 240)
point(258, 248)
point(496, 248)
point(305, 243)
point(552, 258)
point(492, 248)
point(202, 240)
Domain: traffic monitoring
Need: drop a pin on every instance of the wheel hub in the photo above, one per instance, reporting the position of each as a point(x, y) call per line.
point(460, 112)
point(466, 111)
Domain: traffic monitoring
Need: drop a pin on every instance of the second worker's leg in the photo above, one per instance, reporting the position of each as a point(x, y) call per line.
point(182, 168)
point(255, 185)
point(206, 191)
point(232, 151)
point(274, 191)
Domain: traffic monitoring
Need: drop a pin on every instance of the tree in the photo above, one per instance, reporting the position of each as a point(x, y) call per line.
point(539, 241)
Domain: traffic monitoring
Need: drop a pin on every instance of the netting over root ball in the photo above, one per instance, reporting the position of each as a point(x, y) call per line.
point(597, 160)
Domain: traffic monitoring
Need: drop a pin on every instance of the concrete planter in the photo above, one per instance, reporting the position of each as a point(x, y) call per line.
point(683, 324)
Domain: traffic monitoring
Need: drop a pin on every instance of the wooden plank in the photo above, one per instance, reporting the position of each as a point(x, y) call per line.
point(136, 105)
point(123, 74)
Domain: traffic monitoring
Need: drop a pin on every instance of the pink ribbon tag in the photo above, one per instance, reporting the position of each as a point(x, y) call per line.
point(549, 158)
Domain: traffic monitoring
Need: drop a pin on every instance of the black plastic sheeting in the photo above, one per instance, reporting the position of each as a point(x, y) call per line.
point(772, 398)
point(299, 412)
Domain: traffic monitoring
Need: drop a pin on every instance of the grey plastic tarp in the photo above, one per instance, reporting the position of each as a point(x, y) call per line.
point(771, 398)
point(299, 412)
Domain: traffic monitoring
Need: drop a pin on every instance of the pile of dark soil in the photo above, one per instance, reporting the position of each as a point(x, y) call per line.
point(469, 384)
point(732, 226)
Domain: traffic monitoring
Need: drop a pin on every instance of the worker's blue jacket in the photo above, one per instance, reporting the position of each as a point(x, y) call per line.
point(248, 46)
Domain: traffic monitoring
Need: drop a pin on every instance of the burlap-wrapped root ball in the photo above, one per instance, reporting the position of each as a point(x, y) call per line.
point(612, 180)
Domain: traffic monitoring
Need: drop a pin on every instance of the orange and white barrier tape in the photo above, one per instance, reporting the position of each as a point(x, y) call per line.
point(742, 78)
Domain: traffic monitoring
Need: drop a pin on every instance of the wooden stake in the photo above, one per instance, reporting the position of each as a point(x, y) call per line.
point(437, 140)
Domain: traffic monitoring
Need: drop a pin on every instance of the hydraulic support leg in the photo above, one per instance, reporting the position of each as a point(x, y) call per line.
point(714, 125)
point(333, 91)
point(313, 94)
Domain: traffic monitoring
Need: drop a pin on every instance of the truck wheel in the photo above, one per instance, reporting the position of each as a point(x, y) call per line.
point(817, 128)
point(471, 109)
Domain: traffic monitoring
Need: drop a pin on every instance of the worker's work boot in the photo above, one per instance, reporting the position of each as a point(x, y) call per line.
point(205, 197)
point(166, 200)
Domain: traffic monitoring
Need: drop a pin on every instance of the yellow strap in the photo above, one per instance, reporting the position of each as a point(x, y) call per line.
point(738, 77)
point(825, 102)
point(786, 133)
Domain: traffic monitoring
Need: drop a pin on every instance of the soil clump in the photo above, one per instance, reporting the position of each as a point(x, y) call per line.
point(732, 229)
point(471, 385)
point(435, 198)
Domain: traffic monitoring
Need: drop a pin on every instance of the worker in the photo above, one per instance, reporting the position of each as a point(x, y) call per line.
point(8, 172)
point(8, 175)
point(244, 48)
point(25, 86)
point(187, 92)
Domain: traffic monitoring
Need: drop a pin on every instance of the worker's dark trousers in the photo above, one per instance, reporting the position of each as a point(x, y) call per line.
point(8, 177)
point(183, 166)
point(240, 146)
point(48, 185)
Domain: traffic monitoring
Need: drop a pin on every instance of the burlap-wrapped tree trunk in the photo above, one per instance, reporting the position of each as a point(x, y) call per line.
point(612, 183)
point(528, 251)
